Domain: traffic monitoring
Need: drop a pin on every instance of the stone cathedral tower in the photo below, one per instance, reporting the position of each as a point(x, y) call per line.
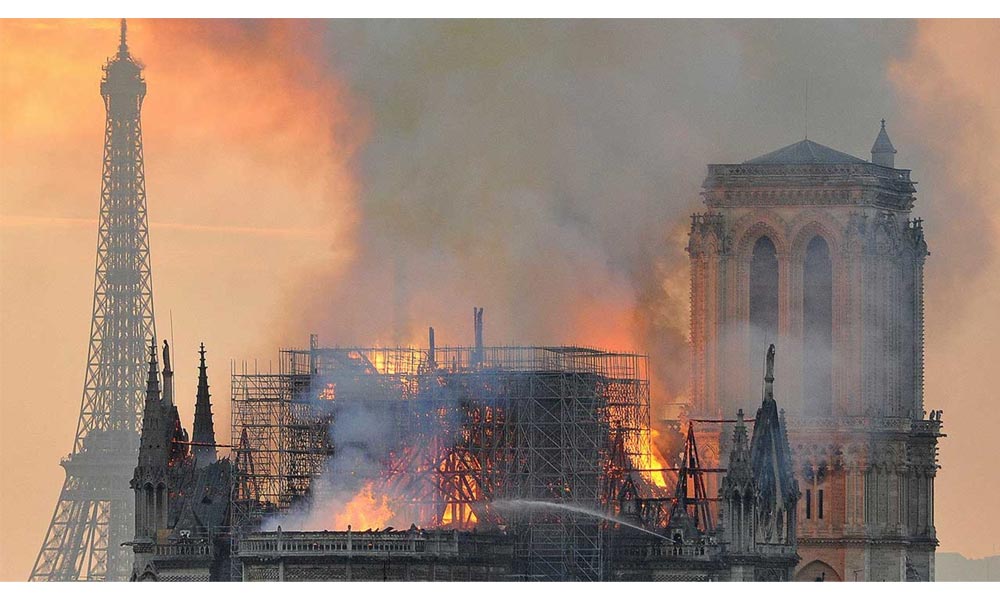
point(814, 250)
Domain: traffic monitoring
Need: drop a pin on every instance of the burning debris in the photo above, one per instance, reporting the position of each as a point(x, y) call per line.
point(549, 447)
point(373, 437)
point(481, 463)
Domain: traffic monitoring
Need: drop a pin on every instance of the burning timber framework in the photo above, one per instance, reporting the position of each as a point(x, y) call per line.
point(474, 425)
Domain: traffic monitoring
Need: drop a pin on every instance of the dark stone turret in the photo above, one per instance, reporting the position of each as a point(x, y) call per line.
point(162, 447)
point(204, 429)
point(149, 478)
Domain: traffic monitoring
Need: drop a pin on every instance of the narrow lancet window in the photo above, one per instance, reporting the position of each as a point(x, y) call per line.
point(763, 297)
point(817, 328)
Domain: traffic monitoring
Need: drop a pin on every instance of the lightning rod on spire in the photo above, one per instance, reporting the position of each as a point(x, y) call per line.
point(123, 45)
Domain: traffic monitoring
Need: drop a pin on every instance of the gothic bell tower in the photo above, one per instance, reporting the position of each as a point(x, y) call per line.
point(815, 251)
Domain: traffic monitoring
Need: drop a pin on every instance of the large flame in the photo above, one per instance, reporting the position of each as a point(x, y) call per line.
point(367, 510)
point(654, 469)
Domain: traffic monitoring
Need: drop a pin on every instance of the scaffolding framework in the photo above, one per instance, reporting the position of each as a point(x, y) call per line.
point(463, 427)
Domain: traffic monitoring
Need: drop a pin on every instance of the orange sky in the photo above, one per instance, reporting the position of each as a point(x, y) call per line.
point(251, 146)
point(950, 92)
point(241, 192)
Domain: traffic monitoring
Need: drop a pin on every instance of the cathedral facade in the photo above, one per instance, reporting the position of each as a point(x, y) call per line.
point(815, 251)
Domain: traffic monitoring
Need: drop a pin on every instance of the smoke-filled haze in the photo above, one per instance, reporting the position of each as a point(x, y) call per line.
point(363, 180)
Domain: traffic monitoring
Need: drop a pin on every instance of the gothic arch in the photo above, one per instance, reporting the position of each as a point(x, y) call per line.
point(706, 239)
point(756, 225)
point(742, 340)
point(808, 225)
point(712, 245)
point(817, 570)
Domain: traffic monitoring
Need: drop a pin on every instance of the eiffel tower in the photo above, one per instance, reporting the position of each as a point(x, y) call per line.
point(94, 513)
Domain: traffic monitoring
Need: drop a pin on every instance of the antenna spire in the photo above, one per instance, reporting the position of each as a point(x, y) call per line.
point(806, 124)
point(123, 45)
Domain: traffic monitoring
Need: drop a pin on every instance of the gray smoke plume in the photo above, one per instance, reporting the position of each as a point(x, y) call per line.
point(372, 427)
point(546, 169)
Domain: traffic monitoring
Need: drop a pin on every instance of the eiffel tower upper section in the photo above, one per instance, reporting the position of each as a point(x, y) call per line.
point(94, 513)
point(122, 324)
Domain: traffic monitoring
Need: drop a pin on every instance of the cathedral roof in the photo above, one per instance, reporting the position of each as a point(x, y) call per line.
point(205, 498)
point(806, 152)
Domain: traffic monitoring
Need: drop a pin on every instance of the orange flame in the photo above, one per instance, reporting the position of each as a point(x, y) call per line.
point(329, 392)
point(367, 510)
point(459, 514)
point(655, 462)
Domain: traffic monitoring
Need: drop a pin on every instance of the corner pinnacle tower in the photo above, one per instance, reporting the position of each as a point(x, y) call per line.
point(204, 429)
point(94, 513)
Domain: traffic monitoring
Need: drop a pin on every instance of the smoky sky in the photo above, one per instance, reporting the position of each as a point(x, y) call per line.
point(542, 169)
point(546, 169)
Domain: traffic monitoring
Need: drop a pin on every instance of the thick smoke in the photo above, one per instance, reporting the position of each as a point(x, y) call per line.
point(546, 170)
point(374, 428)
point(951, 97)
point(364, 437)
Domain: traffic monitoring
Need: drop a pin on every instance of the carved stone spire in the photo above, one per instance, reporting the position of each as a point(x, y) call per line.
point(204, 429)
point(739, 493)
point(739, 472)
point(150, 472)
point(152, 448)
point(770, 460)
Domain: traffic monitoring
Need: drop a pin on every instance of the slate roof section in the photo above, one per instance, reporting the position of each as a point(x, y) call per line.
point(806, 152)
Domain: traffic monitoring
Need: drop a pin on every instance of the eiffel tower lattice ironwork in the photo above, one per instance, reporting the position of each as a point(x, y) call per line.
point(95, 511)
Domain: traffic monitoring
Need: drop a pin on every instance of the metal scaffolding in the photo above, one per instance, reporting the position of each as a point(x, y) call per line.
point(460, 428)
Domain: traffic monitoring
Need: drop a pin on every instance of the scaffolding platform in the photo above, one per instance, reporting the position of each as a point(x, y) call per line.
point(459, 428)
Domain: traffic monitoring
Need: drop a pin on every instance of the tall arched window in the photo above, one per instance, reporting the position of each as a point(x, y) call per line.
point(763, 298)
point(817, 328)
